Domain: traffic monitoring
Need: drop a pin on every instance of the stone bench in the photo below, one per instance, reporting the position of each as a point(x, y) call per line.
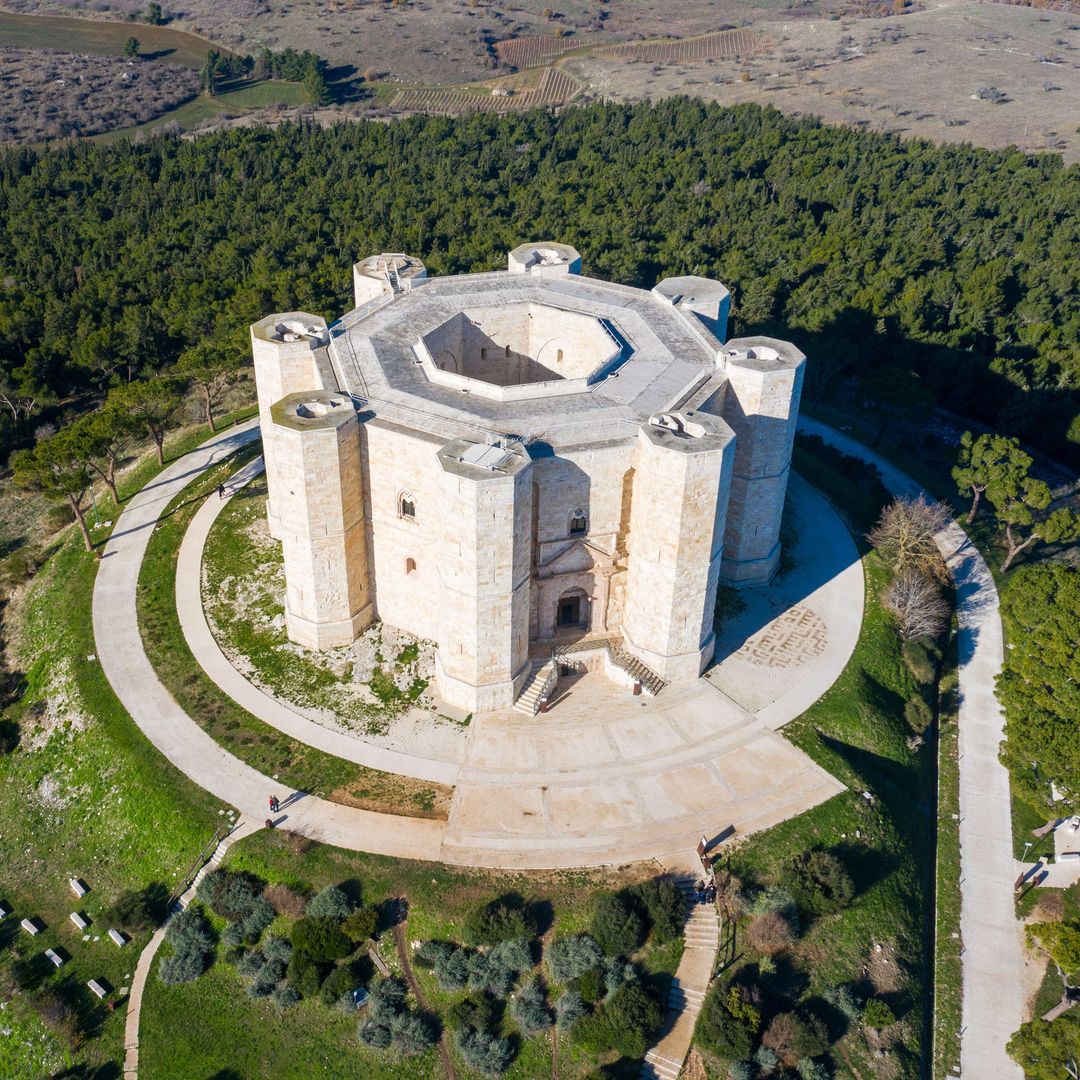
point(80, 921)
point(31, 926)
point(119, 938)
point(5, 911)
point(56, 959)
point(79, 887)
point(97, 989)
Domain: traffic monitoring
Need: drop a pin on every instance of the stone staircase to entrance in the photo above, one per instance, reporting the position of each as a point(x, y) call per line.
point(688, 989)
point(528, 700)
point(651, 683)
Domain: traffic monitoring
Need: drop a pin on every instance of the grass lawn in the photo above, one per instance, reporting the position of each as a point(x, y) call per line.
point(947, 944)
point(243, 593)
point(261, 746)
point(197, 1029)
point(248, 94)
point(85, 794)
point(105, 38)
point(858, 731)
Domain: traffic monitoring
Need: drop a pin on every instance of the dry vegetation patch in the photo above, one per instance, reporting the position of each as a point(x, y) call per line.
point(45, 93)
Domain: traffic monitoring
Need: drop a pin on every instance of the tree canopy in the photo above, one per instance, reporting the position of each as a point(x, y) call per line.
point(1039, 686)
point(955, 263)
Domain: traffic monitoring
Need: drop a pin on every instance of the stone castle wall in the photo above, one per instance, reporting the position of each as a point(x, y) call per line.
point(381, 520)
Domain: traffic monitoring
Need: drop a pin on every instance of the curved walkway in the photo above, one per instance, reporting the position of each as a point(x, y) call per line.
point(992, 958)
point(604, 778)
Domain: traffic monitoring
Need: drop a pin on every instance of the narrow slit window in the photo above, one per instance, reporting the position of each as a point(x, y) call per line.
point(407, 507)
point(410, 565)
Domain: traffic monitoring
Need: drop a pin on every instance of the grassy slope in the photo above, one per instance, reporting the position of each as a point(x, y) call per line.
point(194, 1030)
point(121, 816)
point(857, 732)
point(104, 38)
point(947, 970)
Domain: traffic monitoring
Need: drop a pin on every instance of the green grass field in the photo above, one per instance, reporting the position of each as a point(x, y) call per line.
point(105, 38)
point(210, 1025)
point(858, 732)
point(85, 795)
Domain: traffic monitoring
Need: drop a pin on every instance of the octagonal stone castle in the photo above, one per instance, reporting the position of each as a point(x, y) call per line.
point(506, 462)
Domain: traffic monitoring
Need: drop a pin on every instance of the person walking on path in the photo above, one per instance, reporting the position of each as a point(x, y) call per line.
point(275, 806)
point(221, 491)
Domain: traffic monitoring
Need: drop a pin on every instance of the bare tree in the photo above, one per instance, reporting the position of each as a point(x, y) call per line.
point(769, 934)
point(917, 604)
point(904, 536)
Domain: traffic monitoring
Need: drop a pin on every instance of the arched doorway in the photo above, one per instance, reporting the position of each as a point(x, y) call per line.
point(572, 611)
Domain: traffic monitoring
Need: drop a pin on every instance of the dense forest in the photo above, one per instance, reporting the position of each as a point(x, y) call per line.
point(959, 264)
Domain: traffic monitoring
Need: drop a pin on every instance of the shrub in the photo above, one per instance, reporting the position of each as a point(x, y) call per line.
point(286, 901)
point(616, 927)
point(135, 910)
point(265, 981)
point(304, 975)
point(634, 1017)
point(431, 953)
point(591, 985)
point(452, 970)
point(413, 1033)
point(663, 904)
point(877, 1014)
point(340, 981)
point(570, 957)
point(320, 939)
point(922, 659)
point(775, 899)
point(229, 895)
point(233, 935)
point(190, 932)
point(768, 1061)
point(488, 974)
point(500, 920)
point(277, 948)
point(361, 924)
point(257, 920)
point(181, 967)
point(808, 1069)
point(387, 999)
point(727, 1026)
point(375, 1033)
point(569, 1009)
point(617, 972)
point(484, 1052)
point(331, 903)
point(530, 1009)
point(514, 955)
point(794, 1038)
point(740, 1070)
point(286, 996)
point(477, 1012)
point(819, 881)
point(843, 997)
point(769, 934)
point(251, 963)
point(917, 714)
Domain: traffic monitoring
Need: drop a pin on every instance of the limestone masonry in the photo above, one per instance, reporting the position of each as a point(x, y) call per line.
point(505, 463)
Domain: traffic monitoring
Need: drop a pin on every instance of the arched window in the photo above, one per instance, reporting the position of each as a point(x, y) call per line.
point(578, 523)
point(407, 506)
point(558, 356)
point(410, 565)
point(507, 353)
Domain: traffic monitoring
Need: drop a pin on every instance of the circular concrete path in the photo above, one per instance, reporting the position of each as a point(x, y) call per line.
point(603, 778)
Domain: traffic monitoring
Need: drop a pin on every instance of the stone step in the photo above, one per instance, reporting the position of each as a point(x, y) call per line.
point(528, 700)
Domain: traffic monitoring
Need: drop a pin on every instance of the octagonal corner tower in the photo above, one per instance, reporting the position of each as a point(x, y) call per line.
point(516, 463)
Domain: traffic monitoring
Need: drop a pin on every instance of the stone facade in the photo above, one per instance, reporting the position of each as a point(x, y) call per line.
point(504, 462)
